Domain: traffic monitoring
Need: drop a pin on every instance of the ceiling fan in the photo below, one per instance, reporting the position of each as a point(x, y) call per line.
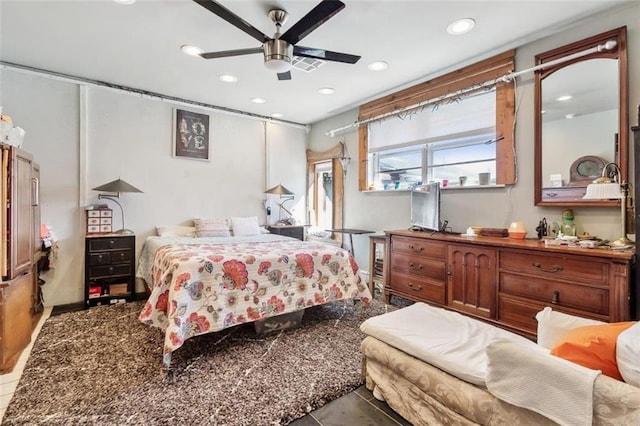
point(279, 49)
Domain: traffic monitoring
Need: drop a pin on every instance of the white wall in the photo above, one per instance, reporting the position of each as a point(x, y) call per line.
point(490, 207)
point(85, 137)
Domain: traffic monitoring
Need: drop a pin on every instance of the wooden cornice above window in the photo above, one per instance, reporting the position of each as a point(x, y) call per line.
point(480, 72)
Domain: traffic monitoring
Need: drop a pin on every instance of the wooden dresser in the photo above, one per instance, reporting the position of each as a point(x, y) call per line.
point(506, 281)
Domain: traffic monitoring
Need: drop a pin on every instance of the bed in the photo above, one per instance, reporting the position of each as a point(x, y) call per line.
point(204, 285)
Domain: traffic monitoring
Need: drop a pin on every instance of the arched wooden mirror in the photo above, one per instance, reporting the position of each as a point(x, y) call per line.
point(581, 118)
point(325, 188)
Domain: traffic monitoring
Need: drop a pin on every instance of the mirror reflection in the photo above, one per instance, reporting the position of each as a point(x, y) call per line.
point(581, 108)
point(579, 122)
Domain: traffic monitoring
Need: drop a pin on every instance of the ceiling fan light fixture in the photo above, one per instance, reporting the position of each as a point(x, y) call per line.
point(277, 55)
point(461, 26)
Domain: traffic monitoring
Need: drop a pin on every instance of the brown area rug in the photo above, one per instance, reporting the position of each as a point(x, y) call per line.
point(103, 366)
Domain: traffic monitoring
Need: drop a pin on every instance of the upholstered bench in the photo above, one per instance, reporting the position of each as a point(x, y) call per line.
point(435, 366)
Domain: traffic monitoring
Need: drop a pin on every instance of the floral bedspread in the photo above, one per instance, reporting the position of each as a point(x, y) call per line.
point(203, 288)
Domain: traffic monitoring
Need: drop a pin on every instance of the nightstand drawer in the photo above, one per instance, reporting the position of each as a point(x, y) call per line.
point(110, 271)
point(109, 244)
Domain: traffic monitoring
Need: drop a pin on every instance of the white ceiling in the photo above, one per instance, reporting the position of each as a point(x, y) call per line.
point(138, 46)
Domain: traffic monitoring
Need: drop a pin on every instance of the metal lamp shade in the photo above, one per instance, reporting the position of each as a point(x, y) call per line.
point(278, 190)
point(117, 185)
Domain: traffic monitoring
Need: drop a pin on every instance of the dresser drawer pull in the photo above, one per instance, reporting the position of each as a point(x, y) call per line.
point(111, 269)
point(414, 266)
point(418, 288)
point(556, 297)
point(111, 243)
point(416, 249)
point(555, 268)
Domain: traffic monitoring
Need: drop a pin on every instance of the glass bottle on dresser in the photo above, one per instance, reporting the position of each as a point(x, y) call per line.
point(568, 228)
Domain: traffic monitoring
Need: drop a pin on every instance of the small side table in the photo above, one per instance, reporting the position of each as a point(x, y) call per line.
point(376, 263)
point(350, 232)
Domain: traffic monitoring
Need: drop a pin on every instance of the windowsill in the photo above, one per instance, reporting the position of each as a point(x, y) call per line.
point(446, 188)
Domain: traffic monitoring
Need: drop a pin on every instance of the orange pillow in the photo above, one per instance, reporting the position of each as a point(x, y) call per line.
point(593, 346)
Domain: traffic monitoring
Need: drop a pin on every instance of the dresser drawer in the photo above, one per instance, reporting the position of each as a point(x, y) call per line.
point(110, 271)
point(100, 244)
point(556, 267)
point(418, 247)
point(418, 288)
point(556, 293)
point(519, 313)
point(421, 266)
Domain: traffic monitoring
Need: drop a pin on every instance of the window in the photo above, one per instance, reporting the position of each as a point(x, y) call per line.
point(442, 154)
point(451, 129)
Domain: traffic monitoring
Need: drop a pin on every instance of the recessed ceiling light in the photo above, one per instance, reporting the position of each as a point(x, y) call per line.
point(461, 26)
point(563, 98)
point(327, 90)
point(543, 112)
point(191, 50)
point(228, 78)
point(258, 100)
point(378, 66)
point(569, 116)
point(276, 115)
point(125, 1)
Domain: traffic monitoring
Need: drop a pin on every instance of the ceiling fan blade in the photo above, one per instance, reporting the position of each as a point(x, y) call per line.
point(327, 55)
point(225, 53)
point(284, 75)
point(233, 19)
point(312, 20)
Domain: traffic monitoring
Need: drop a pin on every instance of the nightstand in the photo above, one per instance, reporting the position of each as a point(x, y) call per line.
point(295, 231)
point(109, 275)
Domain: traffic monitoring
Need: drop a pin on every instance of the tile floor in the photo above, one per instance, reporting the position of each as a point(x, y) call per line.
point(9, 382)
point(356, 408)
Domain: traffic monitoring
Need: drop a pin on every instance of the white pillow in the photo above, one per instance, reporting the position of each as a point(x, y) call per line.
point(245, 226)
point(628, 354)
point(211, 227)
point(176, 231)
point(552, 325)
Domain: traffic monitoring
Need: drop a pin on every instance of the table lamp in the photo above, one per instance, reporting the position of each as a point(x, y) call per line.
point(608, 187)
point(286, 195)
point(117, 186)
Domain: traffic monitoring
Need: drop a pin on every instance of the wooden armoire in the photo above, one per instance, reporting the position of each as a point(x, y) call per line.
point(19, 249)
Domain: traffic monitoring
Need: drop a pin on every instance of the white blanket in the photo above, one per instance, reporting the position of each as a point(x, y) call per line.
point(533, 379)
point(450, 341)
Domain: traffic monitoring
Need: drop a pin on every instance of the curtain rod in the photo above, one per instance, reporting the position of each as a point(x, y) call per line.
point(609, 45)
point(144, 93)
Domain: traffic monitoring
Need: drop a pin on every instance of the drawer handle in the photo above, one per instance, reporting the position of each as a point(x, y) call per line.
point(418, 288)
point(121, 255)
point(111, 243)
point(556, 297)
point(414, 266)
point(555, 268)
point(99, 258)
point(111, 269)
point(416, 249)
